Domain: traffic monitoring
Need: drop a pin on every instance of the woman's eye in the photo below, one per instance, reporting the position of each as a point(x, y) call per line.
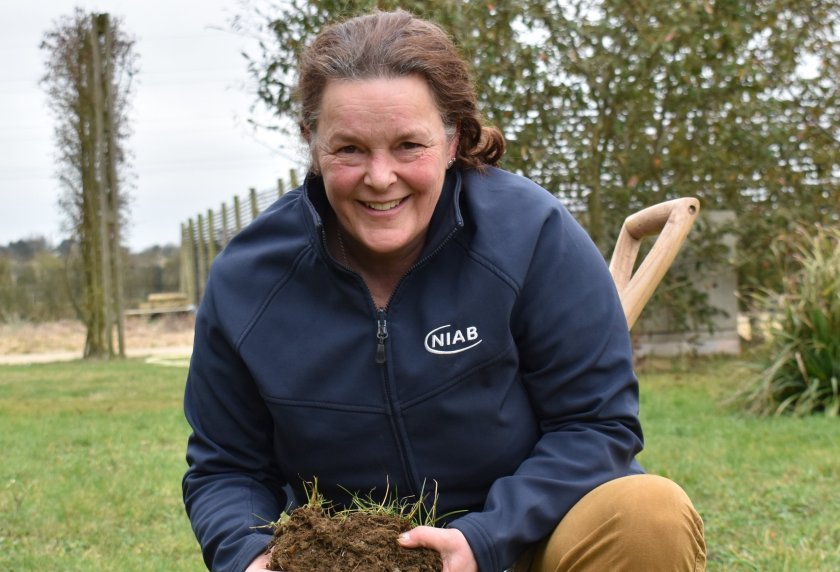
point(348, 149)
point(409, 145)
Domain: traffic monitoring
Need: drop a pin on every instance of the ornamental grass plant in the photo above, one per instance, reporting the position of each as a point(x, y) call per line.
point(801, 358)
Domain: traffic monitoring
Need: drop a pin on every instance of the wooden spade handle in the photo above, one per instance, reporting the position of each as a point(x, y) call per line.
point(671, 220)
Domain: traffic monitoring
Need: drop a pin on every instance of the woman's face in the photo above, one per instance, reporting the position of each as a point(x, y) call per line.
point(382, 151)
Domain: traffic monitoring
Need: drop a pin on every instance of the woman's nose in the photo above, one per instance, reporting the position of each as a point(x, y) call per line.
point(379, 172)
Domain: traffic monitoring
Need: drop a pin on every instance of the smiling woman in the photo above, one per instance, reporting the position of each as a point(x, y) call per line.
point(382, 151)
point(414, 314)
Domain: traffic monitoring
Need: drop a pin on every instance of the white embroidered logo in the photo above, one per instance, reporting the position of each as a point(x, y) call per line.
point(443, 341)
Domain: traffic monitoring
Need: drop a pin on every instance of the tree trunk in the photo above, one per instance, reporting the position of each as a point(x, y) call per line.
point(95, 345)
point(100, 170)
point(112, 238)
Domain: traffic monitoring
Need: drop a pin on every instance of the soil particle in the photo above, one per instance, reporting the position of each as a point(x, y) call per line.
point(312, 540)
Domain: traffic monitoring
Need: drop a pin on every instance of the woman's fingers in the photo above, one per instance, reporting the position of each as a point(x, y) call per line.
point(450, 543)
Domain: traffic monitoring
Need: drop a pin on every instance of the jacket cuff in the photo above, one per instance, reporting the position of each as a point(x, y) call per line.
point(480, 542)
point(252, 546)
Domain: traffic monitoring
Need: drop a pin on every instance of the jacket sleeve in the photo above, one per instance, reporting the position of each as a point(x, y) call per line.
point(576, 364)
point(231, 486)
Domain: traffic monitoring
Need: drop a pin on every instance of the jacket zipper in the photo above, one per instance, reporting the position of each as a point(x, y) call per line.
point(381, 356)
point(381, 335)
point(381, 320)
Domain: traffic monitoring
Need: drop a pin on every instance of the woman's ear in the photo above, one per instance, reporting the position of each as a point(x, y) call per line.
point(453, 142)
point(307, 135)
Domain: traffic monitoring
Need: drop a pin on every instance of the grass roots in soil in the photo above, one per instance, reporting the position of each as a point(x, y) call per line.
point(311, 538)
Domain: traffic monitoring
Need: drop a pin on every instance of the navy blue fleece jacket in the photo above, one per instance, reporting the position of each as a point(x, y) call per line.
point(500, 370)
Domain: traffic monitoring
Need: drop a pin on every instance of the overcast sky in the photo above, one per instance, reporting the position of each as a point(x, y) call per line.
point(192, 146)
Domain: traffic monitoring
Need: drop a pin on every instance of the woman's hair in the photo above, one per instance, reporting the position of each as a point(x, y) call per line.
point(396, 44)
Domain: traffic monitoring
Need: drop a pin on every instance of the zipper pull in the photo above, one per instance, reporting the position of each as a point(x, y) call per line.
point(381, 336)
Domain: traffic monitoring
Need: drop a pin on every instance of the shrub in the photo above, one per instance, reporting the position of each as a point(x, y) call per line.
point(801, 371)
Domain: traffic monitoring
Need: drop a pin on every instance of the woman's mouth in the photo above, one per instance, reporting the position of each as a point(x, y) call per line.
point(386, 206)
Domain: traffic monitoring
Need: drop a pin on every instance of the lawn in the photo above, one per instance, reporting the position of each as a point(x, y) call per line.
point(94, 453)
point(767, 488)
point(93, 458)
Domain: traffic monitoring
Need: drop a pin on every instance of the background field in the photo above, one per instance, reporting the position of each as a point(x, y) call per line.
point(94, 453)
point(22, 337)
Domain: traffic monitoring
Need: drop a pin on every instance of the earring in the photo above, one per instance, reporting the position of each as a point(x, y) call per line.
point(450, 163)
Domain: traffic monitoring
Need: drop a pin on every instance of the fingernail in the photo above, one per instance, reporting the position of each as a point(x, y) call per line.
point(403, 537)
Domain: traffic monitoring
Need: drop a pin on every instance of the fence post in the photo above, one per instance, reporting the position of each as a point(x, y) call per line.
point(188, 262)
point(202, 261)
point(225, 227)
point(195, 277)
point(255, 208)
point(211, 237)
point(293, 178)
point(237, 212)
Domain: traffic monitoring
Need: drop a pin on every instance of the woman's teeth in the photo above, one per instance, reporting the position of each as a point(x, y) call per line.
point(383, 206)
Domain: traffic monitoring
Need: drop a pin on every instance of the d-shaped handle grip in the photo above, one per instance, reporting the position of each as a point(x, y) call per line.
point(672, 220)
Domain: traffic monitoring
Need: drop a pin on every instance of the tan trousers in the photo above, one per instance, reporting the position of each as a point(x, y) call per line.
point(636, 523)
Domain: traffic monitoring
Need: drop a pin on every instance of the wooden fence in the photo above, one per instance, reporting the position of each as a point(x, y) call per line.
point(204, 236)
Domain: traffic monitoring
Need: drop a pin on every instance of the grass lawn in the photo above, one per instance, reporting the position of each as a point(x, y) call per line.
point(94, 453)
point(91, 474)
point(767, 488)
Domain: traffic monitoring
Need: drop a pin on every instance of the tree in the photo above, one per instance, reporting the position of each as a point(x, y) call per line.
point(707, 99)
point(155, 269)
point(619, 104)
point(7, 289)
point(33, 282)
point(90, 66)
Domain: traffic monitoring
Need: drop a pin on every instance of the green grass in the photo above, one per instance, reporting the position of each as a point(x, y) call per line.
point(767, 488)
point(94, 453)
point(92, 461)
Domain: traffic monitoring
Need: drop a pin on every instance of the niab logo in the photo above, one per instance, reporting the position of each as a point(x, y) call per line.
point(444, 340)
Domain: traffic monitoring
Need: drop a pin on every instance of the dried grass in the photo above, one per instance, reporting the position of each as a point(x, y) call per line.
point(69, 335)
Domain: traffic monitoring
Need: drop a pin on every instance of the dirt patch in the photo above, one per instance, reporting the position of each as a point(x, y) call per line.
point(310, 539)
point(69, 335)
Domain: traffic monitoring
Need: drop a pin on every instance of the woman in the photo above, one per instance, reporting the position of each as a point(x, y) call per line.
point(413, 314)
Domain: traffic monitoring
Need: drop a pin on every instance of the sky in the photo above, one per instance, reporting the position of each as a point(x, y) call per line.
point(192, 146)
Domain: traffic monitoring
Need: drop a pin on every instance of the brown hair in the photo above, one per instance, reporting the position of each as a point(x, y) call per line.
point(396, 44)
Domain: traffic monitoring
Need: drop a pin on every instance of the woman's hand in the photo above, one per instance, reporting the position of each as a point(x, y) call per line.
point(454, 550)
point(260, 564)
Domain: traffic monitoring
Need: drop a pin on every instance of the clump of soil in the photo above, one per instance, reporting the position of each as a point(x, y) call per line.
point(311, 539)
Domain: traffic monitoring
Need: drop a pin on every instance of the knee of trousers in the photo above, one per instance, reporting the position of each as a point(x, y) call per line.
point(647, 508)
point(639, 522)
